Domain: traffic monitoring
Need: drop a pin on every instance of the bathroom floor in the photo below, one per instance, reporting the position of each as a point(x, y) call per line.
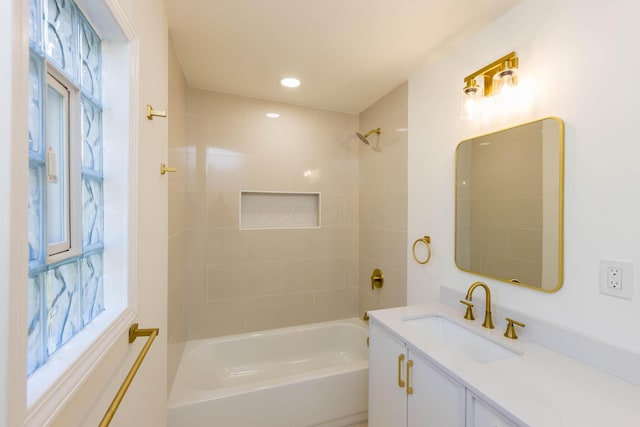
point(364, 424)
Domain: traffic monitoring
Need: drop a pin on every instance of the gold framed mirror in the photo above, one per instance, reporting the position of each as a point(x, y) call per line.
point(509, 205)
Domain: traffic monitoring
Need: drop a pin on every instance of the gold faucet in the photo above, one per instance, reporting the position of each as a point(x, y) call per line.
point(488, 322)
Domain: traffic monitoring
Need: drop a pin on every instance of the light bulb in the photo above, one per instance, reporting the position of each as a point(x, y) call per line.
point(471, 95)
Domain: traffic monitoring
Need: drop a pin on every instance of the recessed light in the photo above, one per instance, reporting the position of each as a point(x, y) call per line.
point(273, 115)
point(290, 82)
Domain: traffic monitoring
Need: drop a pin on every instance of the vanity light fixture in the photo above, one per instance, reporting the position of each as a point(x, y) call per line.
point(273, 115)
point(496, 77)
point(290, 82)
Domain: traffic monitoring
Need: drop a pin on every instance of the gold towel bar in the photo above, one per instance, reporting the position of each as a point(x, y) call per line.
point(134, 333)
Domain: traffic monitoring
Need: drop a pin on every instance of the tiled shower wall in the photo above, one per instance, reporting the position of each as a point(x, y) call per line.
point(383, 202)
point(241, 280)
point(177, 321)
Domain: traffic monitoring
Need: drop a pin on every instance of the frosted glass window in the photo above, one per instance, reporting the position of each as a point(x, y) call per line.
point(35, 341)
point(35, 24)
point(90, 51)
point(62, 294)
point(91, 136)
point(61, 40)
point(93, 215)
point(35, 103)
point(57, 136)
point(66, 283)
point(35, 219)
point(279, 210)
point(92, 286)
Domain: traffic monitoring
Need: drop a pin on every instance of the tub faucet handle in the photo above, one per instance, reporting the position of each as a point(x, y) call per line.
point(377, 279)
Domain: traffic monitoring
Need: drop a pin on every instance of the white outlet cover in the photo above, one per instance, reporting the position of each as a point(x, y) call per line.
point(626, 288)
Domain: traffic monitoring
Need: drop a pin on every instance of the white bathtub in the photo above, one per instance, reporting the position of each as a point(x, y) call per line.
point(311, 375)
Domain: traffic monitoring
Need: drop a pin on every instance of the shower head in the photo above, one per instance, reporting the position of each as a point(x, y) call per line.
point(364, 137)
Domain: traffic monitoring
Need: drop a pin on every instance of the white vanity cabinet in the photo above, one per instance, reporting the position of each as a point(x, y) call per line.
point(481, 414)
point(407, 390)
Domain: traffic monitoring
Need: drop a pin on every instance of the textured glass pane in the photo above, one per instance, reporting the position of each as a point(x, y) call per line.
point(91, 136)
point(35, 102)
point(35, 23)
point(90, 51)
point(35, 339)
point(57, 185)
point(61, 42)
point(64, 318)
point(36, 198)
point(92, 287)
point(92, 212)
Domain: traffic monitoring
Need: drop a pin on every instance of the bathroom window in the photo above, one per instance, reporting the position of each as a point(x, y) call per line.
point(57, 167)
point(66, 230)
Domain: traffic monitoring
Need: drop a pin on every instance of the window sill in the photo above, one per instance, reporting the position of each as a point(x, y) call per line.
point(52, 385)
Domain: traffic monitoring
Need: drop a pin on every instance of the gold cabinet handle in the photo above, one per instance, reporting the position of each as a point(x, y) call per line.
point(164, 169)
point(400, 381)
point(409, 366)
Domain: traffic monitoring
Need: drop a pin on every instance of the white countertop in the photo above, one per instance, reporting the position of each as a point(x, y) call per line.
point(540, 387)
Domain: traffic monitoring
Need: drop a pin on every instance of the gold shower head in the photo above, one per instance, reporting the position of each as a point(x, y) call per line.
point(364, 137)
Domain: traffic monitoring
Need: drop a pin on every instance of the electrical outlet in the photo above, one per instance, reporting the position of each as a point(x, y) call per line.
point(616, 278)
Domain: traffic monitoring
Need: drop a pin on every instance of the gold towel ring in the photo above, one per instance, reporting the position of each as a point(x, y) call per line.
point(427, 241)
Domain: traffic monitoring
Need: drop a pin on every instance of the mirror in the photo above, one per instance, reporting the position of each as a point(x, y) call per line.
point(509, 205)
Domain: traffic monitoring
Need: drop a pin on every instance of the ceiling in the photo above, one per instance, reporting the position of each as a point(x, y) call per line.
point(347, 53)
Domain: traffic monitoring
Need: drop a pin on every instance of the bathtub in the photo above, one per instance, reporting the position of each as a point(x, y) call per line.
point(311, 375)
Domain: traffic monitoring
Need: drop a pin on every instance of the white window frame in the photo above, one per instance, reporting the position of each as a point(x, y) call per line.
point(73, 171)
point(53, 384)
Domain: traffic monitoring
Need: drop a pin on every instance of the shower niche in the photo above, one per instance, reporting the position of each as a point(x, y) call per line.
point(270, 209)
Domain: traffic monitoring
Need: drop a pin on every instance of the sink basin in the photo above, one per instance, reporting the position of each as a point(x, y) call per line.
point(479, 348)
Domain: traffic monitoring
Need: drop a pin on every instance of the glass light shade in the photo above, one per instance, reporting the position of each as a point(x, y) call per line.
point(470, 102)
point(508, 77)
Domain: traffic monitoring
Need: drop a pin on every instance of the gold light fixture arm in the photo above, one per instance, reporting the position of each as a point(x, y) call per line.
point(508, 61)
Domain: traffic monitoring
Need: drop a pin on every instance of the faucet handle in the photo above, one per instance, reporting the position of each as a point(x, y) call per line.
point(511, 330)
point(469, 313)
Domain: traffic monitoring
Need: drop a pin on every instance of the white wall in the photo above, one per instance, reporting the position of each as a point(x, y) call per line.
point(13, 188)
point(580, 59)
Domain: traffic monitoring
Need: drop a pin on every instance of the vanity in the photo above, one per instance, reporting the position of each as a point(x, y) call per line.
point(428, 366)
point(434, 365)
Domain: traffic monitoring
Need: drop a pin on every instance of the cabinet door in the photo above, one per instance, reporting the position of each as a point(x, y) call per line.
point(437, 400)
point(482, 415)
point(387, 399)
